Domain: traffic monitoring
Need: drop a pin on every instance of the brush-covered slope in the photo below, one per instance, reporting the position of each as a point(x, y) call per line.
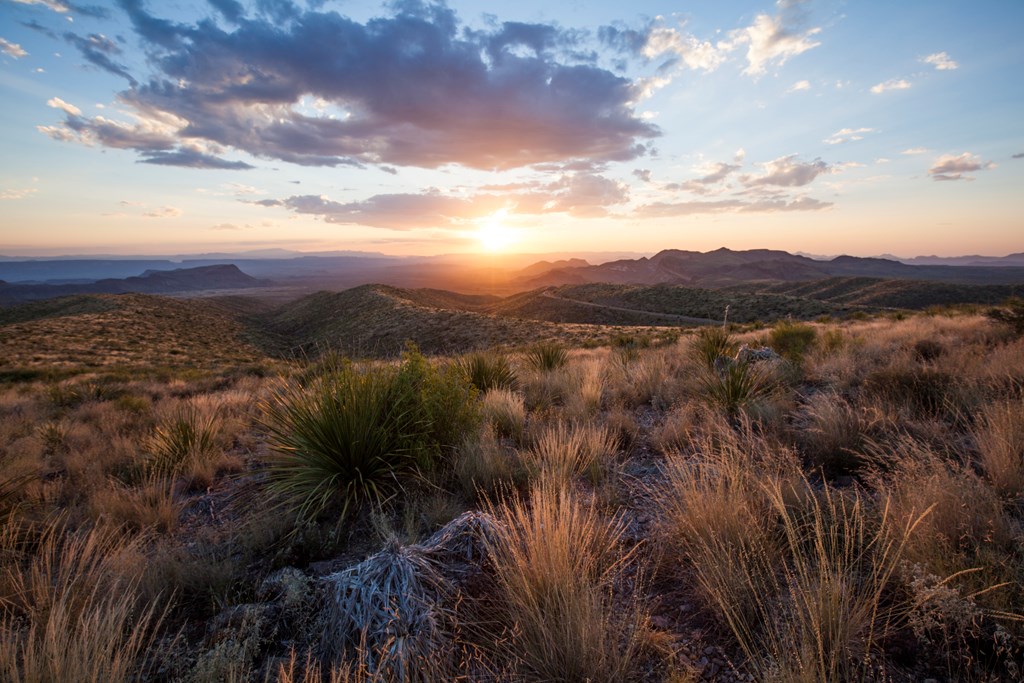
point(658, 305)
point(122, 330)
point(376, 320)
point(888, 293)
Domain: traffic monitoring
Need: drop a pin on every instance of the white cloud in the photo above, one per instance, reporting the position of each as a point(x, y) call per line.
point(956, 167)
point(56, 5)
point(911, 151)
point(788, 171)
point(12, 49)
point(891, 84)
point(164, 212)
point(770, 41)
point(881, 160)
point(740, 155)
point(58, 103)
point(847, 135)
point(799, 85)
point(19, 193)
point(695, 53)
point(941, 61)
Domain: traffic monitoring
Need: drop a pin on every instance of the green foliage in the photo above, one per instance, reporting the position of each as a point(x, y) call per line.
point(547, 356)
point(351, 434)
point(185, 438)
point(710, 344)
point(1011, 313)
point(792, 340)
point(489, 370)
point(738, 385)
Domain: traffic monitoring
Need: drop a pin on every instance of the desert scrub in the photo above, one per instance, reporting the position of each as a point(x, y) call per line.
point(738, 385)
point(484, 467)
point(489, 370)
point(186, 438)
point(561, 452)
point(505, 411)
point(710, 344)
point(547, 356)
point(792, 340)
point(557, 563)
point(352, 434)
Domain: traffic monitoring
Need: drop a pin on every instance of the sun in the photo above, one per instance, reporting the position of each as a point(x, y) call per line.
point(493, 234)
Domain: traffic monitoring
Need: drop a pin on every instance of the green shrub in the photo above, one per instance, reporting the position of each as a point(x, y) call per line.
point(489, 370)
point(182, 440)
point(547, 356)
point(350, 435)
point(710, 344)
point(792, 340)
point(737, 386)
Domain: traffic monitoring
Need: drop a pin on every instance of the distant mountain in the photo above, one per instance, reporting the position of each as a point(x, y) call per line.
point(218, 277)
point(724, 267)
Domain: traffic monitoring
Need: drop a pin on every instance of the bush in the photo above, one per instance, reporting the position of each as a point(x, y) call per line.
point(185, 439)
point(351, 435)
point(489, 370)
point(547, 356)
point(792, 340)
point(710, 344)
point(1011, 314)
point(739, 385)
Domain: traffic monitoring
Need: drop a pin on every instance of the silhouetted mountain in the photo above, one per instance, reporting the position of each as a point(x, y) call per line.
point(216, 277)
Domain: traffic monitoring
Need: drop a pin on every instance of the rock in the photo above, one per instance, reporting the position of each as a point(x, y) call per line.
point(288, 587)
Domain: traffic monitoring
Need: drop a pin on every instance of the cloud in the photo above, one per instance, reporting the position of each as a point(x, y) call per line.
point(580, 195)
point(412, 89)
point(847, 135)
point(64, 7)
point(644, 174)
point(96, 49)
point(891, 84)
point(765, 205)
point(19, 193)
point(12, 49)
point(164, 212)
point(36, 26)
point(1019, 155)
point(694, 53)
point(772, 40)
point(788, 171)
point(58, 103)
point(799, 86)
point(713, 175)
point(956, 167)
point(941, 61)
point(915, 150)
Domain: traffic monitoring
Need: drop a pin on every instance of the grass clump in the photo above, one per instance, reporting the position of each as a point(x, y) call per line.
point(489, 370)
point(792, 340)
point(547, 356)
point(738, 385)
point(506, 412)
point(186, 438)
point(557, 562)
point(561, 452)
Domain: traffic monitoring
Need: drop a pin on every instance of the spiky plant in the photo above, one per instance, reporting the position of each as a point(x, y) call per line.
point(710, 344)
point(185, 438)
point(547, 356)
point(345, 439)
point(489, 370)
point(738, 385)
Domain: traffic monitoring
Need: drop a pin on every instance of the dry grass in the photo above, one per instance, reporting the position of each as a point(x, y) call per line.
point(557, 564)
point(505, 410)
point(562, 452)
point(1000, 440)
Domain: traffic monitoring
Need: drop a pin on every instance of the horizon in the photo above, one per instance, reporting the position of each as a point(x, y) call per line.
point(423, 129)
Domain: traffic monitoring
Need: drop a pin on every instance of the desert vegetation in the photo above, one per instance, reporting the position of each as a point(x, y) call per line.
point(653, 508)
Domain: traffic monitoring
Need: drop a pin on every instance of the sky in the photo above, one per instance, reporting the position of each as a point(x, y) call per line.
point(415, 127)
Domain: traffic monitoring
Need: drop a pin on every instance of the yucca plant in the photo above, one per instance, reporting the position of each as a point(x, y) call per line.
point(547, 356)
point(489, 370)
point(710, 344)
point(737, 385)
point(345, 439)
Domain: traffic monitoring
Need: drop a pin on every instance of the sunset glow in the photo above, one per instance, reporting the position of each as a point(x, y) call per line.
point(429, 128)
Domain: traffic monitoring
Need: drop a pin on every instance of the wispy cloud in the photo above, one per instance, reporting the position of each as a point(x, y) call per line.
point(941, 61)
point(19, 193)
point(788, 171)
point(12, 49)
point(772, 40)
point(847, 135)
point(765, 205)
point(65, 7)
point(799, 86)
point(958, 167)
point(58, 103)
point(912, 151)
point(97, 49)
point(164, 212)
point(891, 84)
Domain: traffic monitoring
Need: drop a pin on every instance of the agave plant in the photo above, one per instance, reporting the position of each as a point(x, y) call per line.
point(710, 344)
point(489, 370)
point(547, 356)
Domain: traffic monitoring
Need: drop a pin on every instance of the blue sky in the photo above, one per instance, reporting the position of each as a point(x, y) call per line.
point(415, 127)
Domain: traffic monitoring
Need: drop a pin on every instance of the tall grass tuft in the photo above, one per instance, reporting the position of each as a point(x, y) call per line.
point(792, 340)
point(547, 356)
point(489, 370)
point(186, 438)
point(738, 385)
point(1000, 439)
point(561, 452)
point(506, 412)
point(556, 563)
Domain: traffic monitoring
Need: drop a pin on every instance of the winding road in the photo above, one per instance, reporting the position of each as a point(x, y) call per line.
point(683, 319)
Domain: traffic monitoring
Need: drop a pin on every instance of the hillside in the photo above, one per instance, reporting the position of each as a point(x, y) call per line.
point(133, 330)
point(217, 277)
point(376, 320)
point(891, 293)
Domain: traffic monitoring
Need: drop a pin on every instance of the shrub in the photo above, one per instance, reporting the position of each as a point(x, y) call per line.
point(739, 385)
point(792, 340)
point(1000, 438)
point(506, 412)
point(557, 564)
point(484, 466)
point(710, 344)
point(1010, 314)
point(489, 370)
point(547, 356)
point(563, 452)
